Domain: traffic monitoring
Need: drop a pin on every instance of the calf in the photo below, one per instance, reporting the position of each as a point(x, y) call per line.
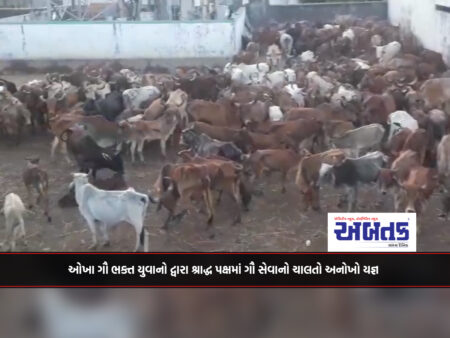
point(108, 208)
point(353, 172)
point(281, 160)
point(14, 211)
point(225, 177)
point(139, 132)
point(180, 183)
point(36, 178)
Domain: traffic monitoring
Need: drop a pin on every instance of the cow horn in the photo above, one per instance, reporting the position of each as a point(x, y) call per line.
point(194, 76)
point(414, 81)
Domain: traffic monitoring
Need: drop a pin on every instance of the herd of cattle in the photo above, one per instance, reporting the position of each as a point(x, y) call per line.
point(347, 104)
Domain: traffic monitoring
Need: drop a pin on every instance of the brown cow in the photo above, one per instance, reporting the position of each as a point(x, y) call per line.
point(139, 132)
point(225, 177)
point(222, 113)
point(418, 188)
point(417, 141)
point(377, 109)
point(36, 178)
point(254, 112)
point(293, 133)
point(260, 141)
point(181, 182)
point(155, 110)
point(308, 172)
point(390, 180)
point(281, 160)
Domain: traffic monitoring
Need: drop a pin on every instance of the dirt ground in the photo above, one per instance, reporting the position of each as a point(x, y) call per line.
point(274, 222)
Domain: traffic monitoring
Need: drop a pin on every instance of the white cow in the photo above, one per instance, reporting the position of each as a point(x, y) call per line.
point(345, 94)
point(296, 93)
point(400, 119)
point(97, 90)
point(108, 208)
point(349, 34)
point(280, 78)
point(14, 211)
point(133, 98)
point(315, 80)
point(308, 56)
point(275, 114)
point(363, 138)
point(243, 74)
point(387, 53)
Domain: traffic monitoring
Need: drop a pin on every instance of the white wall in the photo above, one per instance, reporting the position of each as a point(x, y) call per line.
point(120, 40)
point(420, 17)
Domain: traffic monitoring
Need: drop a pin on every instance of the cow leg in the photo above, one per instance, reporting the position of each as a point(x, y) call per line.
point(55, 144)
point(138, 226)
point(141, 150)
point(163, 144)
point(43, 196)
point(236, 197)
point(132, 150)
point(283, 182)
point(66, 153)
point(29, 197)
point(92, 227)
point(352, 192)
point(22, 227)
point(219, 197)
point(207, 196)
point(14, 237)
point(342, 201)
point(104, 230)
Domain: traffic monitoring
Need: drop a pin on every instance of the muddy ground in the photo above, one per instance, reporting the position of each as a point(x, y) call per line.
point(274, 223)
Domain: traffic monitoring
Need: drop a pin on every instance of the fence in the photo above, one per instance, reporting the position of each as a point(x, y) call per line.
point(260, 14)
point(58, 40)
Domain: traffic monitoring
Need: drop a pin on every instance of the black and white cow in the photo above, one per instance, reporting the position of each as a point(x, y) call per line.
point(351, 173)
